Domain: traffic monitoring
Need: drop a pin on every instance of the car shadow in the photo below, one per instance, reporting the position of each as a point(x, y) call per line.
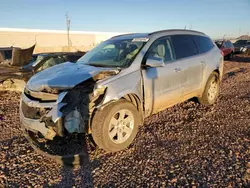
point(70, 172)
point(17, 152)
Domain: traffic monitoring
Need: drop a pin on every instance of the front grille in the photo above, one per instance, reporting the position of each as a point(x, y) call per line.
point(40, 96)
point(32, 112)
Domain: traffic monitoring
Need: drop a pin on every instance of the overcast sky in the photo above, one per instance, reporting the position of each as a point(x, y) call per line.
point(214, 17)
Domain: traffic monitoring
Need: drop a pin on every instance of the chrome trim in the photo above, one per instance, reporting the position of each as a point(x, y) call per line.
point(33, 125)
point(37, 104)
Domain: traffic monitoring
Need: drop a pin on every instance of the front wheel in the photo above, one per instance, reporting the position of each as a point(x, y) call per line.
point(211, 90)
point(115, 127)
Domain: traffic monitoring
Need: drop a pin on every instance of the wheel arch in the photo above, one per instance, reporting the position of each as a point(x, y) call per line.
point(217, 71)
point(206, 79)
point(131, 97)
point(135, 100)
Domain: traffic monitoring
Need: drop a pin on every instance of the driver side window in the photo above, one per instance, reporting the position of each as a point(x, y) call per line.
point(161, 49)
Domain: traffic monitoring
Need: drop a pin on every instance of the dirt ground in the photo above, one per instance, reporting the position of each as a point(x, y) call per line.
point(186, 145)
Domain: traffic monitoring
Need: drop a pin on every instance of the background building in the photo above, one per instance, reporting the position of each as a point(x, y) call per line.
point(52, 40)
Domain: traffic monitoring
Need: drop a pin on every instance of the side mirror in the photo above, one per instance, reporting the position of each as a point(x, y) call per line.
point(154, 62)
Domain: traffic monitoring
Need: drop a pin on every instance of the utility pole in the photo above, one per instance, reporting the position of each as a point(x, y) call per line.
point(68, 28)
point(35, 37)
point(224, 37)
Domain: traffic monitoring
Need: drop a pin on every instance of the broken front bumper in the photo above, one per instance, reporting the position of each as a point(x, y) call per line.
point(31, 126)
point(35, 116)
point(70, 112)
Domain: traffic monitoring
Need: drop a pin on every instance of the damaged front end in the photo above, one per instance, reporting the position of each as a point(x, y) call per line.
point(61, 113)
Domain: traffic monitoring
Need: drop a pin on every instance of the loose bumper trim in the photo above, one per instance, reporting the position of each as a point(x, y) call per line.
point(33, 125)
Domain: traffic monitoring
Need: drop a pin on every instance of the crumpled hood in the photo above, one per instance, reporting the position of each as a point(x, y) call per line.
point(63, 76)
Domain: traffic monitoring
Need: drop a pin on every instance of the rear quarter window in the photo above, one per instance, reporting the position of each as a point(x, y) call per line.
point(204, 43)
point(184, 46)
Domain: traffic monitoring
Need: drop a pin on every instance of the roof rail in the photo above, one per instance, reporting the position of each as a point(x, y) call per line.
point(123, 35)
point(161, 31)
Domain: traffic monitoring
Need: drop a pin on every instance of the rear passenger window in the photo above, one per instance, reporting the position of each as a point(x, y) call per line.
point(204, 44)
point(184, 46)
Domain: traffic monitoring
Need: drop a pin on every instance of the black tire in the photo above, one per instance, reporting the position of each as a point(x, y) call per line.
point(230, 56)
point(101, 122)
point(206, 97)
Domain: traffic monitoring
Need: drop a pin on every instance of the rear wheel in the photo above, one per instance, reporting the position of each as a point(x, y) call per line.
point(115, 127)
point(230, 56)
point(211, 90)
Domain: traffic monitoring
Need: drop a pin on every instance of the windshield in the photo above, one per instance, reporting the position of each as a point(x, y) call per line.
point(113, 53)
point(52, 61)
point(241, 42)
point(39, 58)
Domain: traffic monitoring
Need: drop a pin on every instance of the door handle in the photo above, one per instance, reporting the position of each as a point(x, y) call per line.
point(177, 69)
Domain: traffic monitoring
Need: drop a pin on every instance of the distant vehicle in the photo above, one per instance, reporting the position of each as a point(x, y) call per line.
point(226, 47)
point(43, 61)
point(239, 45)
point(111, 90)
point(246, 50)
point(37, 63)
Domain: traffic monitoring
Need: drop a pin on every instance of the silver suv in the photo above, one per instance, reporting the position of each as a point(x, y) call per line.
point(111, 90)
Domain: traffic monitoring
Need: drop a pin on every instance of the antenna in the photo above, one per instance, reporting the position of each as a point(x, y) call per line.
point(68, 28)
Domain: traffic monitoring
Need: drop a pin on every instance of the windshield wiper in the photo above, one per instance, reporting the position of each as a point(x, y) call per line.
point(101, 65)
point(96, 65)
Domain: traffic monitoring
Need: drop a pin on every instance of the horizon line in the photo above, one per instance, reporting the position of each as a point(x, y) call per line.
point(56, 31)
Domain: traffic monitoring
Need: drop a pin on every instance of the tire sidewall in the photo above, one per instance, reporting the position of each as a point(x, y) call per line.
point(231, 56)
point(208, 85)
point(108, 112)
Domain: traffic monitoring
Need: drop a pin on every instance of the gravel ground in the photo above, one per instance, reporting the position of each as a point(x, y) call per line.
point(186, 145)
